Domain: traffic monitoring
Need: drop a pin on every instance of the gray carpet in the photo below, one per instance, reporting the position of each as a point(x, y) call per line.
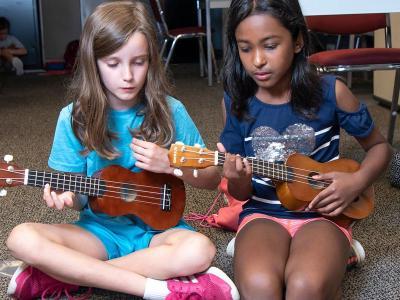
point(29, 107)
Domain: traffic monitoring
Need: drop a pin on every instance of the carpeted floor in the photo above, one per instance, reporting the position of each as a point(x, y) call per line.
point(29, 107)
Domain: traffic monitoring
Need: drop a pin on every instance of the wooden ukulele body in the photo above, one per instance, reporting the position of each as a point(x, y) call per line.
point(135, 192)
point(295, 194)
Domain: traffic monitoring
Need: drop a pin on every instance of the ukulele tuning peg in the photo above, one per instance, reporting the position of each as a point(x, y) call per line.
point(178, 172)
point(3, 193)
point(8, 158)
point(197, 145)
point(179, 143)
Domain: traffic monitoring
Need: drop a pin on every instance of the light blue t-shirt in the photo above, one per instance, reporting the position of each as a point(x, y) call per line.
point(124, 234)
point(11, 41)
point(65, 154)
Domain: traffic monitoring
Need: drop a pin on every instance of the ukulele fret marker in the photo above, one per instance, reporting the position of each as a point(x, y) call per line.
point(90, 185)
point(273, 171)
point(36, 178)
point(85, 186)
point(80, 184)
point(57, 180)
point(98, 188)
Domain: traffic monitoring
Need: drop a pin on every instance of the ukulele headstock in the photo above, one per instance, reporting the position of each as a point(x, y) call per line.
point(181, 155)
point(10, 175)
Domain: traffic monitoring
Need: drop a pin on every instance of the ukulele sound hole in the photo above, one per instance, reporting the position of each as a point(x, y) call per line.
point(315, 183)
point(128, 192)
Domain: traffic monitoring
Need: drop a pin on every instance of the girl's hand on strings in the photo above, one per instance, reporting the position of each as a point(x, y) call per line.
point(238, 172)
point(151, 157)
point(58, 201)
point(235, 167)
point(334, 199)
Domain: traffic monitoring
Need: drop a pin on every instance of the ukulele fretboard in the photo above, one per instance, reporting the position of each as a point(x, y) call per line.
point(84, 185)
point(273, 170)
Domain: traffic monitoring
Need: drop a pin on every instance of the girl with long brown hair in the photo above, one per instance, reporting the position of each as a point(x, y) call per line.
point(122, 115)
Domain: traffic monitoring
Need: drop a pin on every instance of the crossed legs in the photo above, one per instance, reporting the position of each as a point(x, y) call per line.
point(73, 255)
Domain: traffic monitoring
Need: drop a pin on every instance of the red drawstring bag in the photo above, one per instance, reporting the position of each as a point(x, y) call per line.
point(227, 217)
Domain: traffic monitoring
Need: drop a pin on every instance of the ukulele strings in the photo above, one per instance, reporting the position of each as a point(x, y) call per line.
point(296, 177)
point(137, 199)
point(109, 184)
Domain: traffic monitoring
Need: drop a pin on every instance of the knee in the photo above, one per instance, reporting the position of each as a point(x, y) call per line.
point(304, 286)
point(22, 239)
point(195, 253)
point(259, 285)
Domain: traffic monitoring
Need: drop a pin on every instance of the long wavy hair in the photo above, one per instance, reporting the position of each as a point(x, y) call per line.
point(305, 83)
point(105, 31)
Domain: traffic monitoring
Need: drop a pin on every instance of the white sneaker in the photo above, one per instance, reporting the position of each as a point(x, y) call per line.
point(357, 255)
point(230, 249)
point(18, 66)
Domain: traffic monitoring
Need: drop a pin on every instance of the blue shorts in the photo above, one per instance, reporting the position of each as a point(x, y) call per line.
point(120, 235)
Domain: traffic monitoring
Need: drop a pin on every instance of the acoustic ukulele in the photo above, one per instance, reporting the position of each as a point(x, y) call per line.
point(293, 179)
point(157, 199)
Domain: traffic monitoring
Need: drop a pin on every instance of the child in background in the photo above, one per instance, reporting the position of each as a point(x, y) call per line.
point(276, 104)
point(10, 49)
point(120, 92)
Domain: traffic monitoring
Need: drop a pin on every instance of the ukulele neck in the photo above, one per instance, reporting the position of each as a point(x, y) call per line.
point(80, 184)
point(264, 168)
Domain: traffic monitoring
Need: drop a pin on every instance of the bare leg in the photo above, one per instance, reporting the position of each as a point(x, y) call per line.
point(191, 252)
point(317, 262)
point(261, 251)
point(73, 255)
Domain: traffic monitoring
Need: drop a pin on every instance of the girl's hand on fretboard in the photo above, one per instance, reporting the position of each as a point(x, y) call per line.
point(58, 201)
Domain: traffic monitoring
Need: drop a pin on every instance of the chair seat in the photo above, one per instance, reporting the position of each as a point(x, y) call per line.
point(359, 56)
point(187, 30)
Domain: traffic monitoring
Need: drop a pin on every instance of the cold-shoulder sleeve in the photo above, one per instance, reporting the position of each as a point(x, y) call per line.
point(357, 124)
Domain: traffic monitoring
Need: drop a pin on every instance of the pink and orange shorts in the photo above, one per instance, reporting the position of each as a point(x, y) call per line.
point(293, 225)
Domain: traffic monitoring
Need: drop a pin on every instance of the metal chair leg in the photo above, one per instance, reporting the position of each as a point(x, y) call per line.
point(164, 45)
point(171, 50)
point(394, 106)
point(201, 56)
point(215, 64)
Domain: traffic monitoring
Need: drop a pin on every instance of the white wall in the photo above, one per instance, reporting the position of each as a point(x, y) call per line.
point(60, 24)
point(384, 80)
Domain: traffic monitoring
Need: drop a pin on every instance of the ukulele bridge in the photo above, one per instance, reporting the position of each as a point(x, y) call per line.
point(166, 195)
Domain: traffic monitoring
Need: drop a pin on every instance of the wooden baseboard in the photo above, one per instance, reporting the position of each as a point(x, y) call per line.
point(384, 102)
